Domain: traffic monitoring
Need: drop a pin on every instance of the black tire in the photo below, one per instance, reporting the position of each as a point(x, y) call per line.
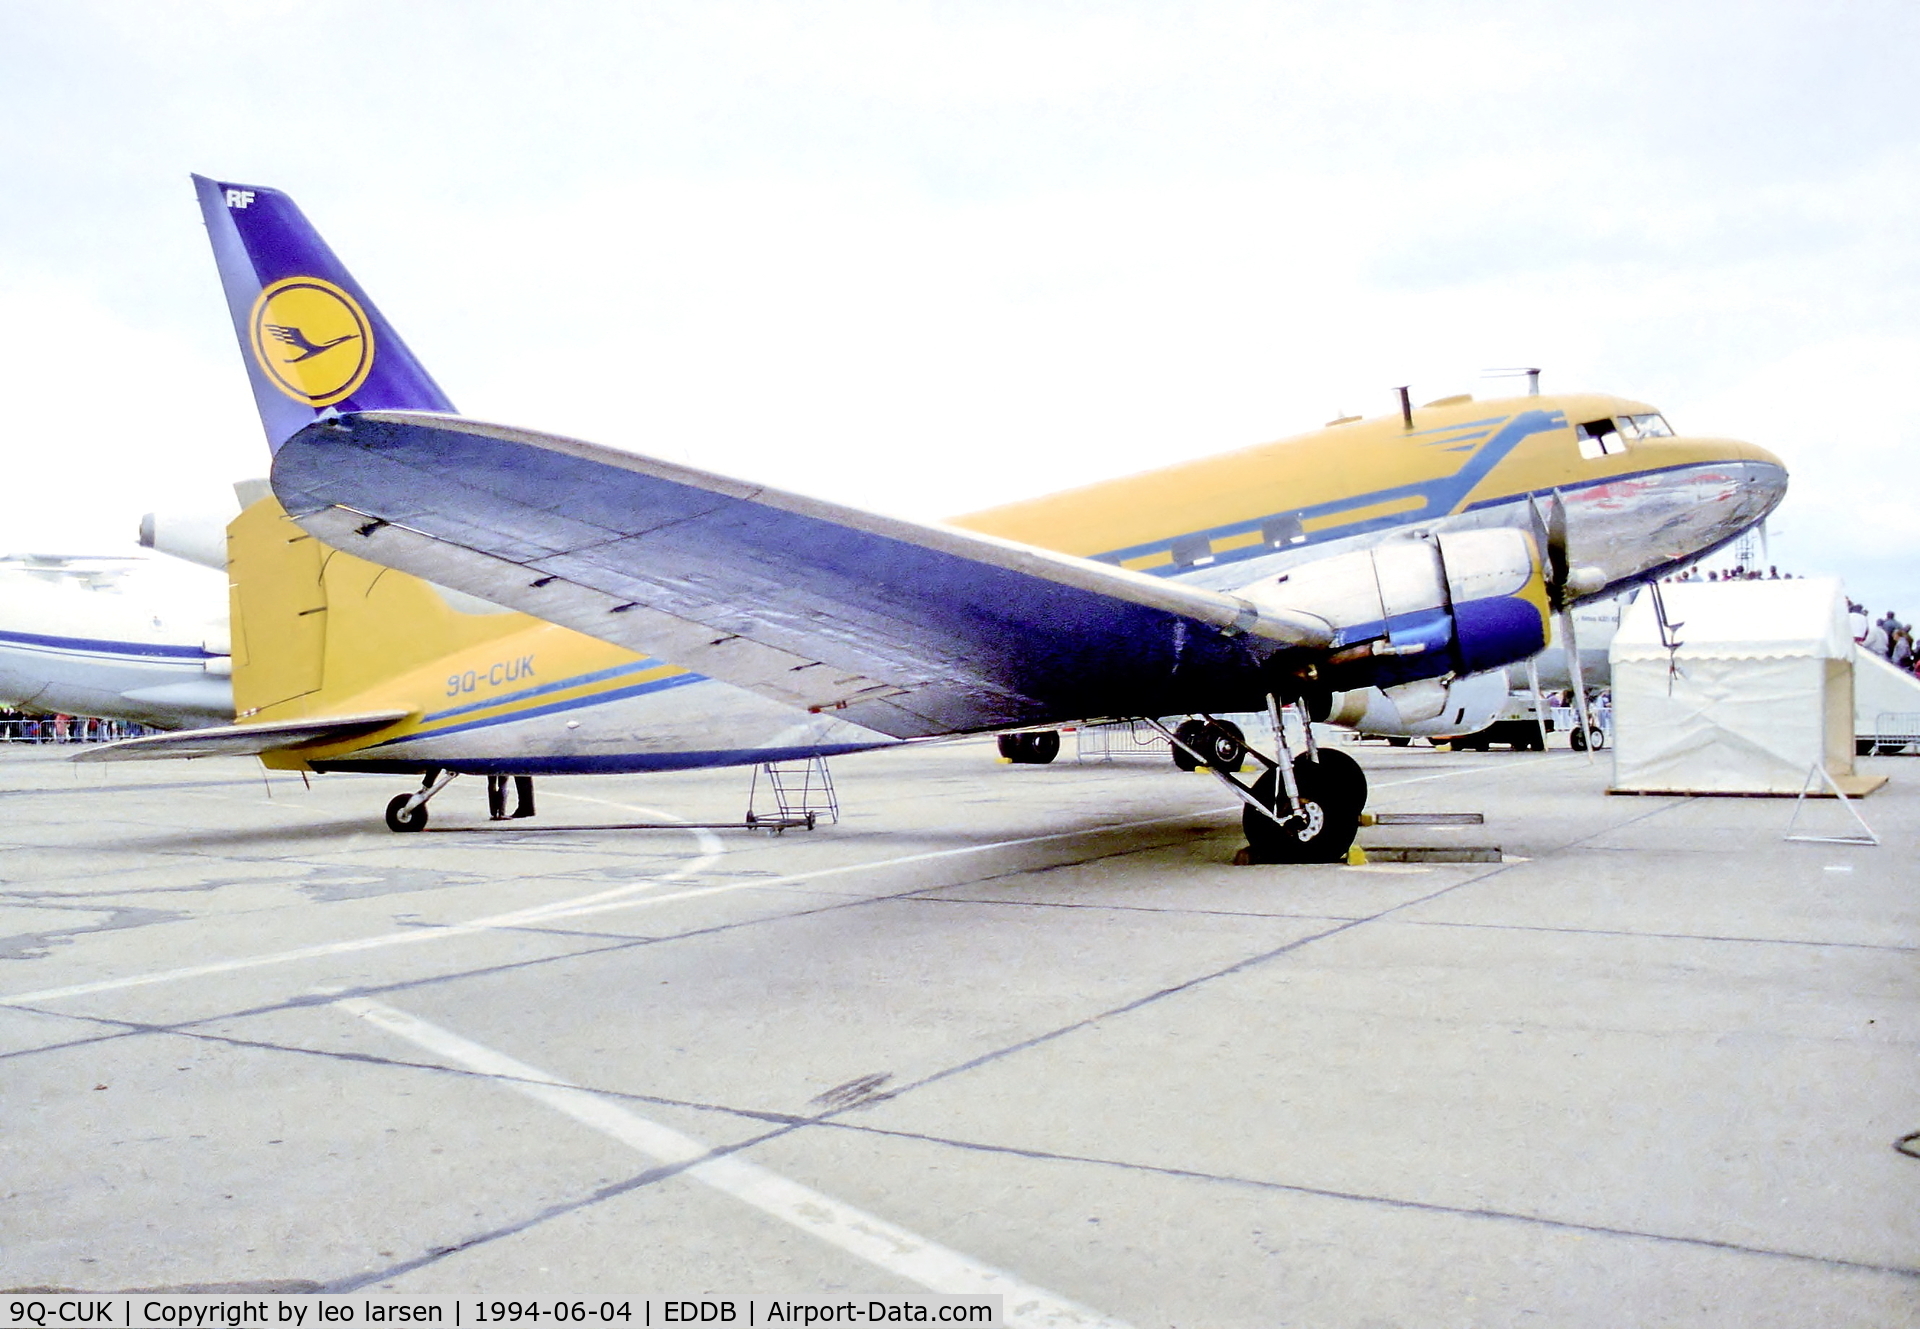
point(1030, 749)
point(1225, 745)
point(1398, 740)
point(400, 820)
point(1334, 788)
point(1577, 739)
point(1864, 747)
point(1194, 734)
point(1596, 738)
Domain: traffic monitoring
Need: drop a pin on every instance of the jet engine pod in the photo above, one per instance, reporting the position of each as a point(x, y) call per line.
point(196, 537)
point(1460, 603)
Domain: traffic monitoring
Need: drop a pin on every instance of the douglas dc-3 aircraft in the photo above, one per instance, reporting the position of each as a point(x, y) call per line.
point(670, 618)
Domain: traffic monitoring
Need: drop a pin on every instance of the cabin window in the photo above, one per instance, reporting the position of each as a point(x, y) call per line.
point(1280, 532)
point(1192, 551)
point(1650, 425)
point(1600, 438)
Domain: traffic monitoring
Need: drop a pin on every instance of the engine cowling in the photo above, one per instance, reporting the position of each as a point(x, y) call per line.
point(1427, 607)
point(196, 537)
point(1426, 708)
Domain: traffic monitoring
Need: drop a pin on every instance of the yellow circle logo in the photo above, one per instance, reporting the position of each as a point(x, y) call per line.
point(312, 339)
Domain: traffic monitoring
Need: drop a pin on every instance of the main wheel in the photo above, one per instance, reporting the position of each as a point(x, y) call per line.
point(1333, 789)
point(1225, 745)
point(1194, 734)
point(399, 819)
point(1030, 749)
point(1043, 747)
point(1220, 742)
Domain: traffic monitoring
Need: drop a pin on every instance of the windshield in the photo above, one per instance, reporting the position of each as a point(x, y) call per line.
point(1650, 425)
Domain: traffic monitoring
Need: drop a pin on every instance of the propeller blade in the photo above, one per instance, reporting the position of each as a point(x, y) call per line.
point(1571, 646)
point(1539, 704)
point(1550, 533)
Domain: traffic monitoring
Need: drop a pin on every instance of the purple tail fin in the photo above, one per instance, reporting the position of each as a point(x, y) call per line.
point(312, 342)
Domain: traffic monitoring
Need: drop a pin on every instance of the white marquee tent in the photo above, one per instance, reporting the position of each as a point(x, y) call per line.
point(1758, 692)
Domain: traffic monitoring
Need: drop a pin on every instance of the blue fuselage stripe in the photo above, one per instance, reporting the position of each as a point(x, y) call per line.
point(577, 681)
point(1438, 496)
point(553, 708)
point(96, 646)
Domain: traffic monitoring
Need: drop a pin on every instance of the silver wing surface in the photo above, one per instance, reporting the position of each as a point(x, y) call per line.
point(906, 628)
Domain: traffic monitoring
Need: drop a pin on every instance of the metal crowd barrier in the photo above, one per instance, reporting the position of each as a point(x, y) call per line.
point(68, 729)
point(1895, 731)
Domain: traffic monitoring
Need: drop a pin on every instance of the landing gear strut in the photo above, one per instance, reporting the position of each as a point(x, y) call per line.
point(1303, 809)
point(1333, 793)
point(408, 812)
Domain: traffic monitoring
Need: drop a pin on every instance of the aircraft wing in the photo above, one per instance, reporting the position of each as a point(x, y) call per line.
point(906, 628)
point(241, 740)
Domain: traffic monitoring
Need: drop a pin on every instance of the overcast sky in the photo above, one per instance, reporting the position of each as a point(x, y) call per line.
point(927, 257)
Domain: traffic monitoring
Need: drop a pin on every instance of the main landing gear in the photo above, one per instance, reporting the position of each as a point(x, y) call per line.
point(1218, 743)
point(1032, 749)
point(1303, 809)
point(408, 812)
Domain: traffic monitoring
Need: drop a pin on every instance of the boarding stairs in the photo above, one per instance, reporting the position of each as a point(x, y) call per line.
point(786, 795)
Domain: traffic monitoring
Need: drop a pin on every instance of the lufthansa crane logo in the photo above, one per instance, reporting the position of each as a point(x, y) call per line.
point(312, 339)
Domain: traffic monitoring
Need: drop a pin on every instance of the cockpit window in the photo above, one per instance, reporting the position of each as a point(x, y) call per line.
point(1650, 425)
point(1600, 438)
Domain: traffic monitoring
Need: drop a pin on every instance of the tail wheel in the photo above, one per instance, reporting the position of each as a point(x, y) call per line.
point(399, 819)
point(1333, 790)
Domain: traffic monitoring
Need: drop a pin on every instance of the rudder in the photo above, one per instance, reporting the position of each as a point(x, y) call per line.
point(312, 342)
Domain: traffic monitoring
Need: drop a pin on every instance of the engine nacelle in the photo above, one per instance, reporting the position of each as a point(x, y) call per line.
point(198, 537)
point(1427, 708)
point(1459, 603)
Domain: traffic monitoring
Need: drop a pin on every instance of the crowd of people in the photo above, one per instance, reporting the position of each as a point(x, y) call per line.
point(32, 727)
point(1889, 638)
point(1735, 573)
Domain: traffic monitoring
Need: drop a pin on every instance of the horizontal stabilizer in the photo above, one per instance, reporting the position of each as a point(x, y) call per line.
point(241, 740)
point(908, 628)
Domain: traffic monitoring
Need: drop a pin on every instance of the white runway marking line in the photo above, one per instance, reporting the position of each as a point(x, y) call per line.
point(617, 898)
point(712, 851)
point(852, 1230)
point(599, 903)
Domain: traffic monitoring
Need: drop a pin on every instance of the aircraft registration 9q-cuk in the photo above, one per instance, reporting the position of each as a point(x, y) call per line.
point(641, 615)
